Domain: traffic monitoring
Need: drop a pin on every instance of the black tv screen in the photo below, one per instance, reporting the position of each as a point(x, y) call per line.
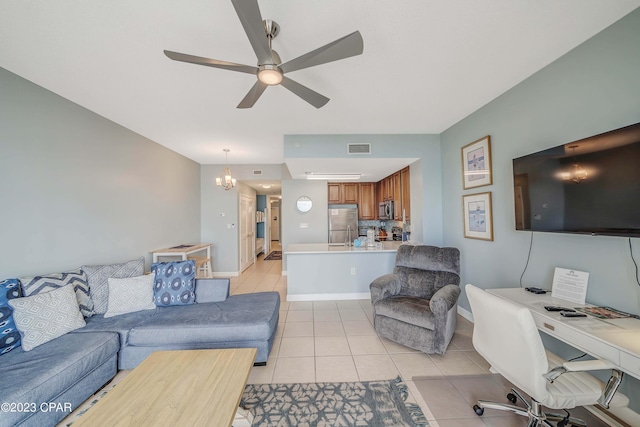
point(589, 186)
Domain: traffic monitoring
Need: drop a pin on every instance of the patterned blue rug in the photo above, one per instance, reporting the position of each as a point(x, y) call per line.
point(274, 256)
point(366, 404)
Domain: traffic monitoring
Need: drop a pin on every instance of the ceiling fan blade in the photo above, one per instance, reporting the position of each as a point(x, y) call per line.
point(176, 56)
point(345, 47)
point(250, 99)
point(251, 19)
point(312, 97)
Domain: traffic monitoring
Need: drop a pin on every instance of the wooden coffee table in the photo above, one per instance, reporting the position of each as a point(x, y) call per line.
point(177, 388)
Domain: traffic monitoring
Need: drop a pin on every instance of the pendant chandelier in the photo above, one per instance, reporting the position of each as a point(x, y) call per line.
point(224, 180)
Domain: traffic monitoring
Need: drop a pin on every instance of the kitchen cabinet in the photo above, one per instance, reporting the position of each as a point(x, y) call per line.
point(396, 187)
point(335, 193)
point(343, 192)
point(397, 196)
point(405, 183)
point(367, 201)
point(386, 186)
point(350, 192)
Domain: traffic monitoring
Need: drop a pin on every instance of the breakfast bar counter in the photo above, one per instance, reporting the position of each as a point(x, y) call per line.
point(318, 271)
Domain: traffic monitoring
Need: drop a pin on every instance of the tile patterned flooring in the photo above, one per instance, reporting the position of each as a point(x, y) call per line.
point(335, 341)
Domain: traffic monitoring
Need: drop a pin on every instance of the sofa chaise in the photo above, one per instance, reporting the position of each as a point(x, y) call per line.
point(46, 383)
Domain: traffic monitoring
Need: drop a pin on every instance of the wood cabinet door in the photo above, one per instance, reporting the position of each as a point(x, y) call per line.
point(367, 205)
point(397, 196)
point(405, 182)
point(350, 192)
point(335, 193)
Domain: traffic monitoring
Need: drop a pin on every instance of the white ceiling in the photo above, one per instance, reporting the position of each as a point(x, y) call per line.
point(426, 64)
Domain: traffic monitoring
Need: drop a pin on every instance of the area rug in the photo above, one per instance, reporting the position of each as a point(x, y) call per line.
point(274, 256)
point(451, 398)
point(373, 403)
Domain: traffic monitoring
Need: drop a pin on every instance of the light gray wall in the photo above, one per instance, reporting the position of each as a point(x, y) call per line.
point(77, 188)
point(220, 208)
point(316, 219)
point(426, 184)
point(219, 212)
point(592, 89)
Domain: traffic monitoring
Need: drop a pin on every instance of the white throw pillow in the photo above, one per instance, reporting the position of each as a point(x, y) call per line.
point(130, 294)
point(42, 317)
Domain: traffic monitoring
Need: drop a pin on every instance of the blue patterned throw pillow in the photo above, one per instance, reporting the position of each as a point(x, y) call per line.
point(45, 283)
point(9, 335)
point(174, 283)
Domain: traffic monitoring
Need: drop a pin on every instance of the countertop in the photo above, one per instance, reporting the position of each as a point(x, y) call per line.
point(324, 248)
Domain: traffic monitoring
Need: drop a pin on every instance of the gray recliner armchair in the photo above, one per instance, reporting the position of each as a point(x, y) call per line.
point(416, 306)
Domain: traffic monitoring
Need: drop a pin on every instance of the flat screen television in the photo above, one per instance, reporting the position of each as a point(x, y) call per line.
point(589, 186)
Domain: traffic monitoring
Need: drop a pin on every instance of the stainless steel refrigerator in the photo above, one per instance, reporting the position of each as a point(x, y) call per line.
point(343, 220)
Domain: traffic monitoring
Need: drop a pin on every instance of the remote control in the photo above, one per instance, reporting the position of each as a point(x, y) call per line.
point(536, 290)
point(572, 314)
point(557, 308)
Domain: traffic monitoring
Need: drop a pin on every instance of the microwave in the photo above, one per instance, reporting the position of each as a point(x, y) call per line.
point(385, 210)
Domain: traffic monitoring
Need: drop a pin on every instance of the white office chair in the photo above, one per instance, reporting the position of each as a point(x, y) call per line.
point(506, 335)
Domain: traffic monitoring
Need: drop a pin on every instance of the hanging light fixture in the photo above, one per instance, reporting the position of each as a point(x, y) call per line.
point(224, 180)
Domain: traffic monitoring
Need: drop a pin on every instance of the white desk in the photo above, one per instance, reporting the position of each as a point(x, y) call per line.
point(182, 251)
point(616, 340)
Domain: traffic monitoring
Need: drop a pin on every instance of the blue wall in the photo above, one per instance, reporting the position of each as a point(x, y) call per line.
point(592, 89)
point(261, 205)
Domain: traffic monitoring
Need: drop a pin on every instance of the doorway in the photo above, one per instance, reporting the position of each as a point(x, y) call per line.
point(275, 221)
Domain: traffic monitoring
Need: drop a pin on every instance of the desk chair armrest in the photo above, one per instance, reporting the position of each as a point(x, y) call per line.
point(579, 366)
point(591, 365)
point(384, 287)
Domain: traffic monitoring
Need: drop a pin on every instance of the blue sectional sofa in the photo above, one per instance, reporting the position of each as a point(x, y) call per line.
point(47, 382)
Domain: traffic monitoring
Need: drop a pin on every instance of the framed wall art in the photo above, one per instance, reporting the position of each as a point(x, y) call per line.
point(476, 163)
point(477, 216)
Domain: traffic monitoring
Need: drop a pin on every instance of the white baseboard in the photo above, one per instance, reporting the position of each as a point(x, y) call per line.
point(465, 313)
point(284, 272)
point(328, 297)
point(225, 274)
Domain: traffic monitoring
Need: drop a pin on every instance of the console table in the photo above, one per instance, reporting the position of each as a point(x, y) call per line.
point(182, 251)
point(177, 388)
point(203, 263)
point(616, 340)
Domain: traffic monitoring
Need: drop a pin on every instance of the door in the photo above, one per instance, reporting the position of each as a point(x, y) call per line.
point(275, 223)
point(247, 232)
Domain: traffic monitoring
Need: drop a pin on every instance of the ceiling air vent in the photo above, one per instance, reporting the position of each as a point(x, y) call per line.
point(359, 148)
point(257, 171)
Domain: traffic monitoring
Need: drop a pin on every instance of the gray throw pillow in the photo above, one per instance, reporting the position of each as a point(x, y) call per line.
point(130, 294)
point(98, 276)
point(42, 317)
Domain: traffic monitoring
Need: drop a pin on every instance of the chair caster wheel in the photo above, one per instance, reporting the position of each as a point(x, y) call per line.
point(479, 410)
point(512, 397)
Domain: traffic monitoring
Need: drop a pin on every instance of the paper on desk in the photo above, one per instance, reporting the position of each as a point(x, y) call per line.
point(570, 285)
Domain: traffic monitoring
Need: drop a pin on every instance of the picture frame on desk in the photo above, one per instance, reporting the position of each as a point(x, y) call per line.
point(477, 216)
point(476, 163)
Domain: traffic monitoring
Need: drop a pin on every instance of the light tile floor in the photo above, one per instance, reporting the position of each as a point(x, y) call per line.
point(335, 341)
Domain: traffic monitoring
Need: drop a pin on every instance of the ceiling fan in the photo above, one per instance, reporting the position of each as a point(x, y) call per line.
point(270, 70)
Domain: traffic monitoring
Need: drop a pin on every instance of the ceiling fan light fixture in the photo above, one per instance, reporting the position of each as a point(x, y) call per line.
point(270, 74)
